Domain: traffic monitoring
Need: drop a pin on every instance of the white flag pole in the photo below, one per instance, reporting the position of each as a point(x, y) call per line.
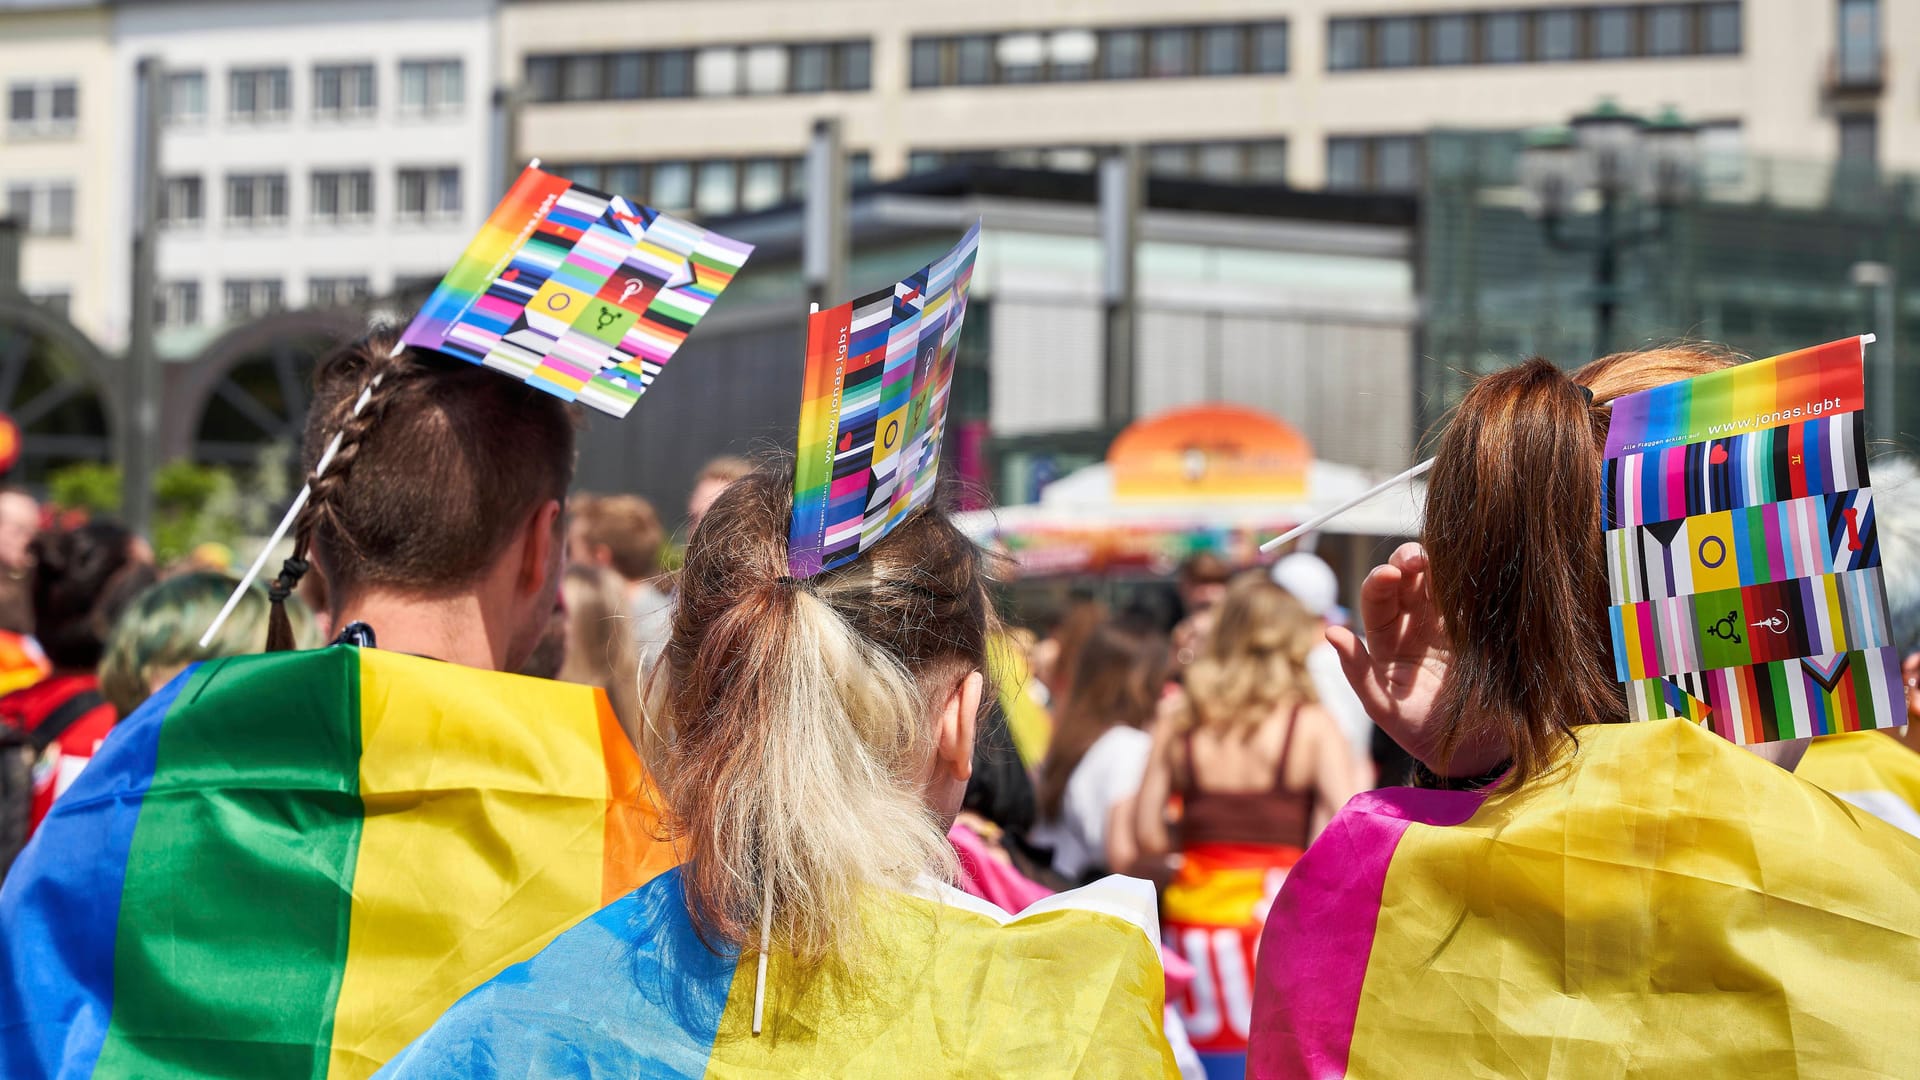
point(1318, 520)
point(286, 522)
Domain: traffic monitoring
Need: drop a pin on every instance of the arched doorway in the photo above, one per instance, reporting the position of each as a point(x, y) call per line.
point(248, 391)
point(51, 382)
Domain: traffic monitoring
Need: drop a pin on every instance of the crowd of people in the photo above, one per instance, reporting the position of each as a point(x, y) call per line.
point(828, 752)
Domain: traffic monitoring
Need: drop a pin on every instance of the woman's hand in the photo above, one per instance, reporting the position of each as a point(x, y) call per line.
point(1398, 669)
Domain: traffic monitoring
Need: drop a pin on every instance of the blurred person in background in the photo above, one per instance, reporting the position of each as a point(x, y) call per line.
point(598, 646)
point(158, 635)
point(1309, 580)
point(622, 533)
point(1202, 585)
point(1019, 692)
point(19, 523)
point(713, 478)
point(80, 579)
point(1258, 768)
point(1058, 653)
point(1099, 751)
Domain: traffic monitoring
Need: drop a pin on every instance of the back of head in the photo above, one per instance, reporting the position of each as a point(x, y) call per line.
point(627, 528)
point(1116, 683)
point(433, 477)
point(1518, 572)
point(1255, 659)
point(78, 576)
point(799, 712)
point(159, 633)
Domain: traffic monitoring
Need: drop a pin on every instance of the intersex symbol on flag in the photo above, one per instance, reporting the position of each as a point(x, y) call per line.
point(1742, 551)
point(582, 294)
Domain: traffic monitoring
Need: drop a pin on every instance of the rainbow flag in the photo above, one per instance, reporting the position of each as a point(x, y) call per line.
point(873, 410)
point(289, 865)
point(1743, 555)
point(1663, 904)
point(580, 293)
point(952, 986)
point(1870, 769)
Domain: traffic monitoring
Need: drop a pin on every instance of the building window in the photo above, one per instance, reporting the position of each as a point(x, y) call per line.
point(1270, 48)
point(1450, 40)
point(324, 292)
point(250, 298)
point(765, 69)
point(429, 194)
point(431, 87)
point(674, 73)
point(343, 91)
point(582, 78)
point(45, 209)
point(1123, 54)
point(1346, 44)
point(1398, 43)
point(184, 100)
point(1170, 52)
point(340, 197)
point(925, 63)
point(42, 109)
point(1390, 163)
point(1556, 35)
point(855, 65)
point(182, 201)
point(1721, 29)
point(1859, 140)
point(256, 199)
point(627, 76)
point(1223, 50)
point(715, 192)
point(1613, 33)
point(176, 303)
point(763, 183)
point(258, 95)
point(973, 65)
point(719, 71)
point(1670, 31)
point(813, 68)
point(1859, 52)
point(1022, 57)
point(1503, 38)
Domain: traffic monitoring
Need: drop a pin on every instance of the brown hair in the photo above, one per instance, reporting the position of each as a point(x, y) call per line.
point(1069, 636)
point(1116, 683)
point(1514, 540)
point(1255, 660)
point(628, 528)
point(433, 475)
point(799, 746)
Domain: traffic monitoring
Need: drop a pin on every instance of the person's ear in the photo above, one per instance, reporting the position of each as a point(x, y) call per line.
point(955, 727)
point(539, 542)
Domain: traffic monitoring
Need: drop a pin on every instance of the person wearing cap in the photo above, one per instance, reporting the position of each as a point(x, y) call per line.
point(1309, 579)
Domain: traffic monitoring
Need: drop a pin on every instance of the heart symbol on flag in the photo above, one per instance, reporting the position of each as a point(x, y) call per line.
point(846, 442)
point(512, 274)
point(1719, 454)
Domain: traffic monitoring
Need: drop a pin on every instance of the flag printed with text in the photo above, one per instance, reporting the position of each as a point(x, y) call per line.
point(874, 410)
point(582, 294)
point(1742, 553)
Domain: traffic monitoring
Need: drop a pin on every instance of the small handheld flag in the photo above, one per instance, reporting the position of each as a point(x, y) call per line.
point(582, 294)
point(1742, 553)
point(873, 410)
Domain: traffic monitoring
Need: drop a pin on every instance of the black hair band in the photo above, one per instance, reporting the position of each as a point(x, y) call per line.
point(291, 572)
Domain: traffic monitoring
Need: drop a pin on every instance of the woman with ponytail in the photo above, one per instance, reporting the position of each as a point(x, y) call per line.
point(812, 743)
point(1571, 895)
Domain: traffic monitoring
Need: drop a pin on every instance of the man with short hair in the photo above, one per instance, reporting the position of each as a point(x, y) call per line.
point(622, 533)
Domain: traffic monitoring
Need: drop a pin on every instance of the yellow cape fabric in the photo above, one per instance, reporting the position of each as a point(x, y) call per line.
point(1871, 770)
point(1667, 906)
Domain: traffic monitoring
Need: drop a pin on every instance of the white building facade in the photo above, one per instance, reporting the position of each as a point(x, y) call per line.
point(312, 154)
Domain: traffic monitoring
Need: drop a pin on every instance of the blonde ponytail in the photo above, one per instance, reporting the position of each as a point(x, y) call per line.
point(799, 736)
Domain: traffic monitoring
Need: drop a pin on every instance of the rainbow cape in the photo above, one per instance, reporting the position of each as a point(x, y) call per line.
point(1663, 904)
point(289, 865)
point(951, 986)
point(1870, 770)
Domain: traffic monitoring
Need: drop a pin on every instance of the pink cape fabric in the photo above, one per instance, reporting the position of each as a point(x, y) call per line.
point(1319, 935)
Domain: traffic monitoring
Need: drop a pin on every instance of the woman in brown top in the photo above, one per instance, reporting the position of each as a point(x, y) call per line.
point(1258, 768)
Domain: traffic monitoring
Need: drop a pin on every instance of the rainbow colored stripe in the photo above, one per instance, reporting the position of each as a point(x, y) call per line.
point(579, 293)
point(289, 865)
point(873, 410)
point(1784, 389)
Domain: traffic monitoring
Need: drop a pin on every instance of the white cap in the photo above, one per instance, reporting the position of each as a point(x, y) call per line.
point(1312, 582)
